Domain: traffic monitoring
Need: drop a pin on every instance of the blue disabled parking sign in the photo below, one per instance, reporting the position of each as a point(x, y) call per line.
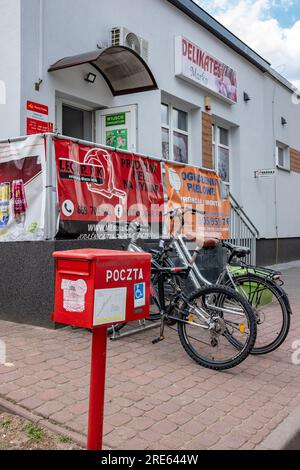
point(139, 295)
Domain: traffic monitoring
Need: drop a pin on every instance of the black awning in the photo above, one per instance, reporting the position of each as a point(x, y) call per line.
point(122, 68)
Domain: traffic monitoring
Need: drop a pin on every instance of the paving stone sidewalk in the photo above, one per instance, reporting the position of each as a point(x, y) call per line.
point(156, 398)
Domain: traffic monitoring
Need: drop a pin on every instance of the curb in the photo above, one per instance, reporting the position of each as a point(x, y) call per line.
point(285, 266)
point(286, 436)
point(17, 410)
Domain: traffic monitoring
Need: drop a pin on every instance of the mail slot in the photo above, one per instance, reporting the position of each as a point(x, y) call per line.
point(96, 288)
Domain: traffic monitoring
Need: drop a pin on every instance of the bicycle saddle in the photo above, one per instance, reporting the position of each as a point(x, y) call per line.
point(238, 251)
point(202, 241)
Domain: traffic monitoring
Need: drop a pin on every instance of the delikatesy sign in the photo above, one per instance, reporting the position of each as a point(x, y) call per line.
point(202, 69)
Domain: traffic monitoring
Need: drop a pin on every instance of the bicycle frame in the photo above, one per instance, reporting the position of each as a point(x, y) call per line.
point(133, 247)
point(193, 271)
point(197, 278)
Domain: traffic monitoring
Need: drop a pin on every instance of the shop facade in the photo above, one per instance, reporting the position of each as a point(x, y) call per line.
point(201, 97)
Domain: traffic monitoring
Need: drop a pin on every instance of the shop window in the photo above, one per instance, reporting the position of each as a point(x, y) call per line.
point(175, 134)
point(221, 152)
point(283, 156)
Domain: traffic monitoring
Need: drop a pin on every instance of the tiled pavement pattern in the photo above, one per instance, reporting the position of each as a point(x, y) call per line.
point(156, 398)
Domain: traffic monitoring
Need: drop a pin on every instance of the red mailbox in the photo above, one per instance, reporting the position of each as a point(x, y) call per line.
point(95, 289)
point(101, 287)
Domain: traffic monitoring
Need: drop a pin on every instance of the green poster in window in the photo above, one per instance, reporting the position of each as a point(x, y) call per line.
point(117, 138)
point(115, 120)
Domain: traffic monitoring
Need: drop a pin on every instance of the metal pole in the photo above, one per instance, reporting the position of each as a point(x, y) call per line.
point(54, 194)
point(97, 389)
point(51, 196)
point(15, 139)
point(126, 152)
point(48, 208)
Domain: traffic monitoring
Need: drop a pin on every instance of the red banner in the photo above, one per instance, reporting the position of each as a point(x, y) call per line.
point(100, 191)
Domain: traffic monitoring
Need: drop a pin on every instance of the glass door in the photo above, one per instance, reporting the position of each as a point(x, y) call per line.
point(74, 120)
point(77, 123)
point(116, 127)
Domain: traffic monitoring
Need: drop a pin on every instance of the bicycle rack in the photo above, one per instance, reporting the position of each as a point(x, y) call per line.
point(142, 326)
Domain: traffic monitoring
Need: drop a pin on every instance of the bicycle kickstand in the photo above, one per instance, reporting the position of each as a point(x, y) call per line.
point(161, 291)
point(162, 329)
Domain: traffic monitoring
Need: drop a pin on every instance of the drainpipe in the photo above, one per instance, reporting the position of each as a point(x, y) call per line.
point(41, 40)
point(275, 177)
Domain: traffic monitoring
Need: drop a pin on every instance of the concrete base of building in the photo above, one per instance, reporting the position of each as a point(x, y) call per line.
point(273, 251)
point(27, 276)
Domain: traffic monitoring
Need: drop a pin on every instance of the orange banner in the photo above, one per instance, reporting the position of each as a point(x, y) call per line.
point(193, 188)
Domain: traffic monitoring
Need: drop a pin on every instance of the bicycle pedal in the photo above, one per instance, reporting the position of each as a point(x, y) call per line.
point(158, 340)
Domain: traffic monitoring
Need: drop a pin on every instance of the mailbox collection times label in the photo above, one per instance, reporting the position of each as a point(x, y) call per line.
point(110, 305)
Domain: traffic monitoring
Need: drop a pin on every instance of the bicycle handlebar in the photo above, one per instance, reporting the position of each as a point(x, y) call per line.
point(180, 213)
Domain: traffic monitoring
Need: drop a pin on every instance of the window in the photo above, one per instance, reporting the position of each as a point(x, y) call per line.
point(283, 156)
point(221, 152)
point(74, 119)
point(175, 134)
point(77, 123)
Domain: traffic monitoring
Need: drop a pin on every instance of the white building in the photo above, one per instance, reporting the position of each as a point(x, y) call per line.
point(195, 62)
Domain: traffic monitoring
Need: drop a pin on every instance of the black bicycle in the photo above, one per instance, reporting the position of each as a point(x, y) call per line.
point(209, 321)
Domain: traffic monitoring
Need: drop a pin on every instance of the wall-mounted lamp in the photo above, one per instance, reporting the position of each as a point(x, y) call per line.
point(207, 104)
point(90, 78)
point(283, 121)
point(246, 97)
point(37, 85)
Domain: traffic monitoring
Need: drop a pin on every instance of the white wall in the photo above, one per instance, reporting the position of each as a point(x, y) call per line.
point(285, 187)
point(10, 70)
point(74, 26)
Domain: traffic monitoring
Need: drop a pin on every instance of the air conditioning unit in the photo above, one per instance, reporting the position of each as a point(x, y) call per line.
point(121, 36)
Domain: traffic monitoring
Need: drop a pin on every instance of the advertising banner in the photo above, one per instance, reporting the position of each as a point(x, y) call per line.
point(101, 191)
point(193, 188)
point(22, 190)
point(202, 69)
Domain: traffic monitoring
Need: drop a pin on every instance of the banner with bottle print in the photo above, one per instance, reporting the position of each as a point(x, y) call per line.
point(194, 188)
point(22, 189)
point(101, 191)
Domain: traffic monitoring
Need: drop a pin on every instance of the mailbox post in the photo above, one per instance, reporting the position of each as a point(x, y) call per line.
point(95, 289)
point(97, 389)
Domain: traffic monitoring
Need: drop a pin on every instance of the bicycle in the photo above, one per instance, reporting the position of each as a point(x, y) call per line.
point(209, 321)
point(260, 286)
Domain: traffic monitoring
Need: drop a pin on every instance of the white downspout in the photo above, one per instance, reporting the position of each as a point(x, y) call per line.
point(41, 41)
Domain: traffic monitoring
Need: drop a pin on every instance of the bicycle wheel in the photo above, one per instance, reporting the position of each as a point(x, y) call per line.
point(170, 290)
point(209, 318)
point(270, 308)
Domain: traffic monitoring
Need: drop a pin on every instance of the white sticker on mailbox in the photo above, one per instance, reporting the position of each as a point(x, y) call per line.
point(74, 295)
point(139, 295)
point(110, 306)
